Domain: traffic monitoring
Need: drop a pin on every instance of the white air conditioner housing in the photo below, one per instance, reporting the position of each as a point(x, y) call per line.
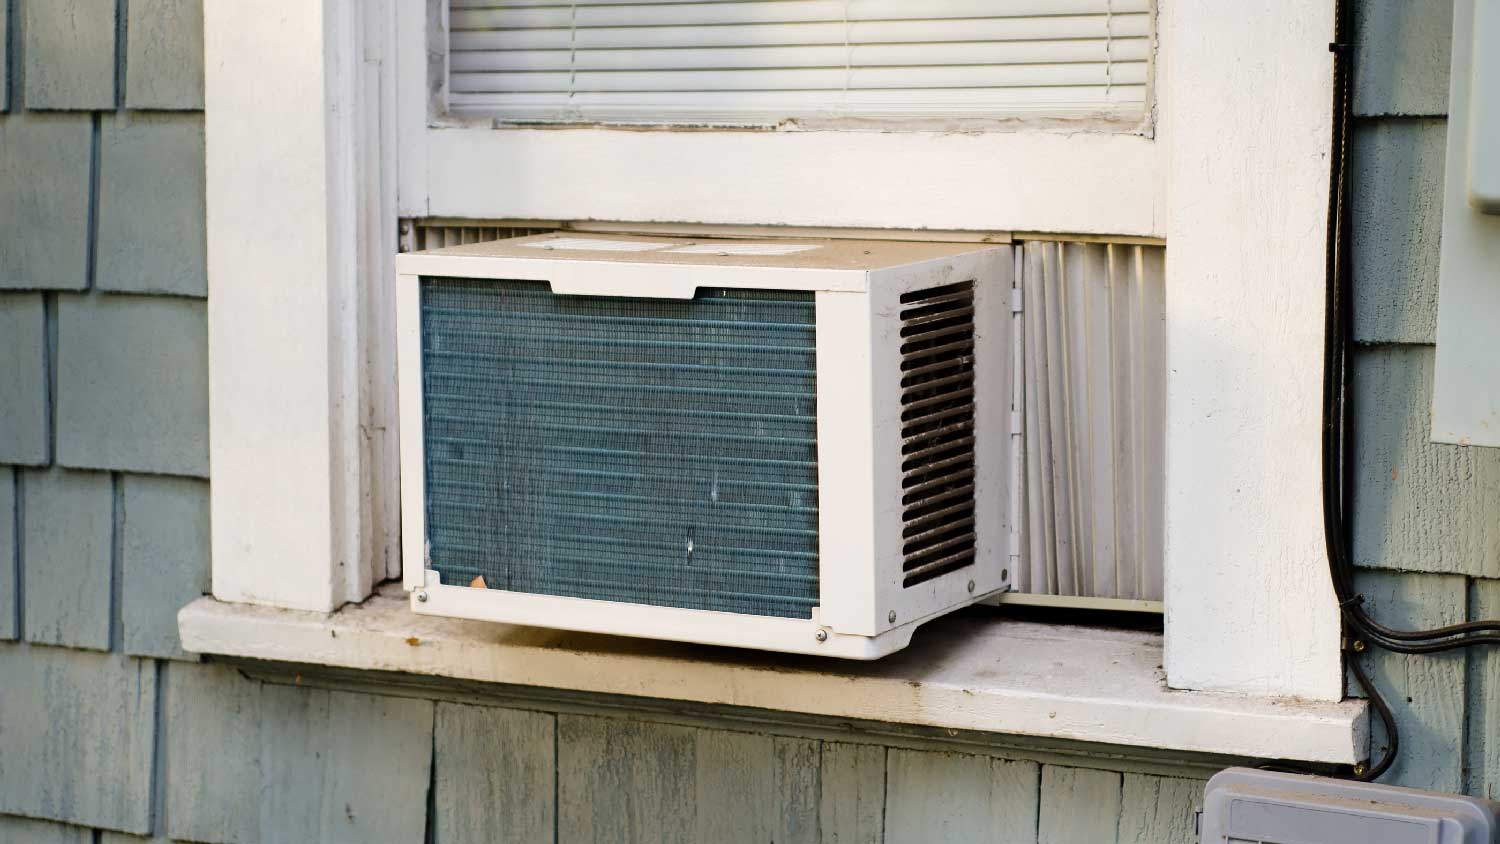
point(789, 445)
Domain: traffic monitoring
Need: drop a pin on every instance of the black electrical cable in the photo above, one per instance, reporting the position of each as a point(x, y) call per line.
point(1361, 628)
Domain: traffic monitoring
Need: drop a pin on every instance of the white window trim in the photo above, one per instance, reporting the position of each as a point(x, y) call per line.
point(302, 109)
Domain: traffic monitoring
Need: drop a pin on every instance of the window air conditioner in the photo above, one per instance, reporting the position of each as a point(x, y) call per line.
point(793, 445)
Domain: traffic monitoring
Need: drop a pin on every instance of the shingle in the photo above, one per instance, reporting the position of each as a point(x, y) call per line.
point(67, 528)
point(70, 54)
point(1418, 505)
point(164, 559)
point(151, 205)
point(4, 57)
point(1402, 51)
point(8, 595)
point(164, 46)
point(1426, 692)
point(932, 796)
point(78, 737)
point(132, 382)
point(213, 724)
point(27, 831)
point(494, 775)
point(44, 200)
point(1397, 211)
point(318, 762)
point(23, 379)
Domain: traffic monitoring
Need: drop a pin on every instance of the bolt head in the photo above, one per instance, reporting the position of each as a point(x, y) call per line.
point(821, 635)
point(891, 617)
point(422, 597)
point(1359, 769)
point(1005, 574)
point(1359, 646)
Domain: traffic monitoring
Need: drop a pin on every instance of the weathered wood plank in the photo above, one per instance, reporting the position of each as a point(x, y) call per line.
point(494, 775)
point(625, 781)
point(852, 802)
point(1418, 505)
point(1159, 810)
point(959, 797)
point(26, 831)
point(799, 772)
point(1403, 50)
point(164, 558)
point(77, 737)
point(8, 572)
point(754, 788)
point(344, 767)
point(213, 718)
point(1397, 211)
point(1078, 804)
point(1483, 708)
point(67, 532)
point(1425, 692)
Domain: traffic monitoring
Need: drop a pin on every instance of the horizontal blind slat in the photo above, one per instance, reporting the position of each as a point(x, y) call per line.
point(883, 55)
point(793, 34)
point(688, 59)
point(802, 79)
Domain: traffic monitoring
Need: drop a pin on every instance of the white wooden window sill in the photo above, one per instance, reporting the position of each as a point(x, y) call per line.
point(965, 673)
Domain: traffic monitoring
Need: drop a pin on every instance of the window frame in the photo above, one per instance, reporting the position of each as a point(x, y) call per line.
point(302, 380)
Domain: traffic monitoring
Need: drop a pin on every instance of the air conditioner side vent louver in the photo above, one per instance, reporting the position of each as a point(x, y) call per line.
point(937, 431)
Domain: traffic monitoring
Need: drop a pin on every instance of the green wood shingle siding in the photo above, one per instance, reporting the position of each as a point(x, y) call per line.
point(9, 565)
point(70, 54)
point(44, 201)
point(67, 535)
point(151, 204)
point(163, 559)
point(164, 54)
point(1418, 505)
point(959, 797)
point(23, 378)
point(132, 384)
point(1397, 209)
point(494, 775)
point(79, 729)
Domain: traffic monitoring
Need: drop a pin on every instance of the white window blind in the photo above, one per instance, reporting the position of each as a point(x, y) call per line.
point(762, 61)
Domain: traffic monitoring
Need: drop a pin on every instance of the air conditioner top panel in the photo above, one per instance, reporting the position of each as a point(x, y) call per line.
point(579, 262)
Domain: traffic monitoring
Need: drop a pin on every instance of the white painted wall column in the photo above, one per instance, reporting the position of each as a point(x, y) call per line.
point(300, 229)
point(1246, 111)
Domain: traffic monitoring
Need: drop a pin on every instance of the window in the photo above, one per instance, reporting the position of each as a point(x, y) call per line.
point(767, 61)
point(303, 218)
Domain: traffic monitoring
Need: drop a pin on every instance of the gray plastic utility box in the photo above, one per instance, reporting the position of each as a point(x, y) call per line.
point(1248, 806)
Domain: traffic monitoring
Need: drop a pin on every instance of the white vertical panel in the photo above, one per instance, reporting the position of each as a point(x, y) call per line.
point(767, 60)
point(1094, 407)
